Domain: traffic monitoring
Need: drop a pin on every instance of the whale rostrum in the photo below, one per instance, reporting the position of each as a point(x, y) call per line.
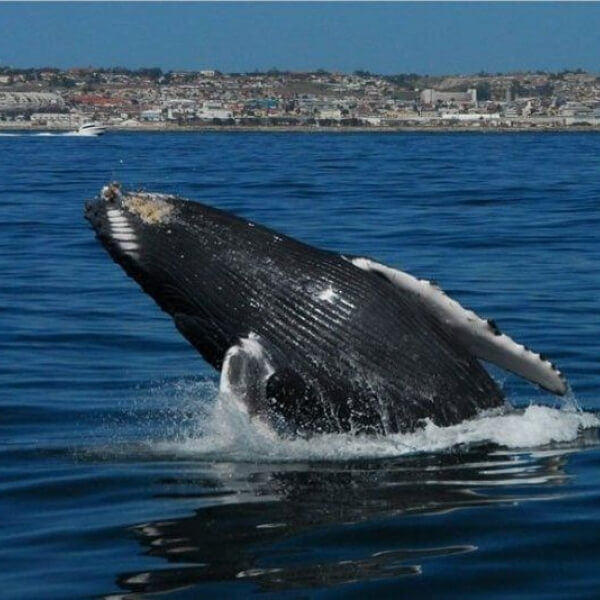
point(309, 340)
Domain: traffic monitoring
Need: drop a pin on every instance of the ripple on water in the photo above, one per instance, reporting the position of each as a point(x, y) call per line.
point(110, 484)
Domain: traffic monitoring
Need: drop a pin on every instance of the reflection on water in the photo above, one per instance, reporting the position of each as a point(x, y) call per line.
point(305, 526)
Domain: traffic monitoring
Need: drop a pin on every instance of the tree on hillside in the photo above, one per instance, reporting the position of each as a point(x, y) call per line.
point(149, 72)
point(484, 91)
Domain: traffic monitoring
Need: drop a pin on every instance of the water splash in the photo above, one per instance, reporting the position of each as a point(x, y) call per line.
point(46, 134)
point(222, 429)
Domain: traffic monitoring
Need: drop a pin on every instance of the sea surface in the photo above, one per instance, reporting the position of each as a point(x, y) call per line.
point(123, 474)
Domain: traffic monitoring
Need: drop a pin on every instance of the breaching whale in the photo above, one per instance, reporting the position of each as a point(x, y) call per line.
point(307, 339)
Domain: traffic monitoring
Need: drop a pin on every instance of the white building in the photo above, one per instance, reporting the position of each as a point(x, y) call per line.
point(152, 114)
point(330, 113)
point(72, 120)
point(179, 108)
point(211, 111)
point(575, 109)
point(430, 96)
point(470, 117)
point(23, 101)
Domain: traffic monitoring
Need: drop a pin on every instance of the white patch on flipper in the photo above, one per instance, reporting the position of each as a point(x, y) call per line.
point(479, 336)
point(246, 369)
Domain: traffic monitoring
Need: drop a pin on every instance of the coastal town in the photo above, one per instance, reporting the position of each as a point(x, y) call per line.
point(150, 99)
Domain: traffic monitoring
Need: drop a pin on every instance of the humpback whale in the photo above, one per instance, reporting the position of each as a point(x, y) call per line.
point(308, 340)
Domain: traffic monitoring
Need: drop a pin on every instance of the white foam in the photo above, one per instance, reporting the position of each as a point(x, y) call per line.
point(48, 134)
point(228, 433)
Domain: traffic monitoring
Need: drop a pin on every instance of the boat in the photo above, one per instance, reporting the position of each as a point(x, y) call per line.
point(91, 128)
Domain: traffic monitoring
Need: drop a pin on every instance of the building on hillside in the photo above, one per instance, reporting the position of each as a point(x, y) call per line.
point(470, 117)
point(211, 111)
point(575, 109)
point(431, 96)
point(328, 112)
point(151, 114)
point(30, 101)
point(62, 120)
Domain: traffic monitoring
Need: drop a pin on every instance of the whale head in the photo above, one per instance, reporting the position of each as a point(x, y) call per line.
point(212, 271)
point(183, 254)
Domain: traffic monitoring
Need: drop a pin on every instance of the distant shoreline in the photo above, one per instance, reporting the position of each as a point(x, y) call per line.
point(166, 128)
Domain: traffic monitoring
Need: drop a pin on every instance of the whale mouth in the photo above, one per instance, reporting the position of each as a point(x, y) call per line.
point(112, 223)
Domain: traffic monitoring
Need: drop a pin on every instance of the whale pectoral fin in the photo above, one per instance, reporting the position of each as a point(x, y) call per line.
point(480, 336)
point(246, 369)
point(257, 375)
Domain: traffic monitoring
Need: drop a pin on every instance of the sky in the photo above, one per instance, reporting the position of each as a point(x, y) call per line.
point(431, 38)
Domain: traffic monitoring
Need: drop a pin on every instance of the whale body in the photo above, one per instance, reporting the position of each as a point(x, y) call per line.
point(309, 340)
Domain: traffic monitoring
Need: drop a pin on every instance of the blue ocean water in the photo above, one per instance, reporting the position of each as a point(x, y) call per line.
point(122, 475)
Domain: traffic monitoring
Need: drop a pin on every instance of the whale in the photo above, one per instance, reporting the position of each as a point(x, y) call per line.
point(308, 340)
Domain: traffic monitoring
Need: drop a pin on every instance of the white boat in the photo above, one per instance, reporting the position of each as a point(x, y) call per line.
point(91, 128)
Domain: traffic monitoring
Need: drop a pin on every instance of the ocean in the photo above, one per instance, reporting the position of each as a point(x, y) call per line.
point(124, 475)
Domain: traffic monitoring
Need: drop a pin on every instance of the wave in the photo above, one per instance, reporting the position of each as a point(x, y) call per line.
point(197, 422)
point(47, 134)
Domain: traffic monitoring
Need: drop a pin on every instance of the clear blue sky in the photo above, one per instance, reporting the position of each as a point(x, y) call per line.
point(427, 38)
